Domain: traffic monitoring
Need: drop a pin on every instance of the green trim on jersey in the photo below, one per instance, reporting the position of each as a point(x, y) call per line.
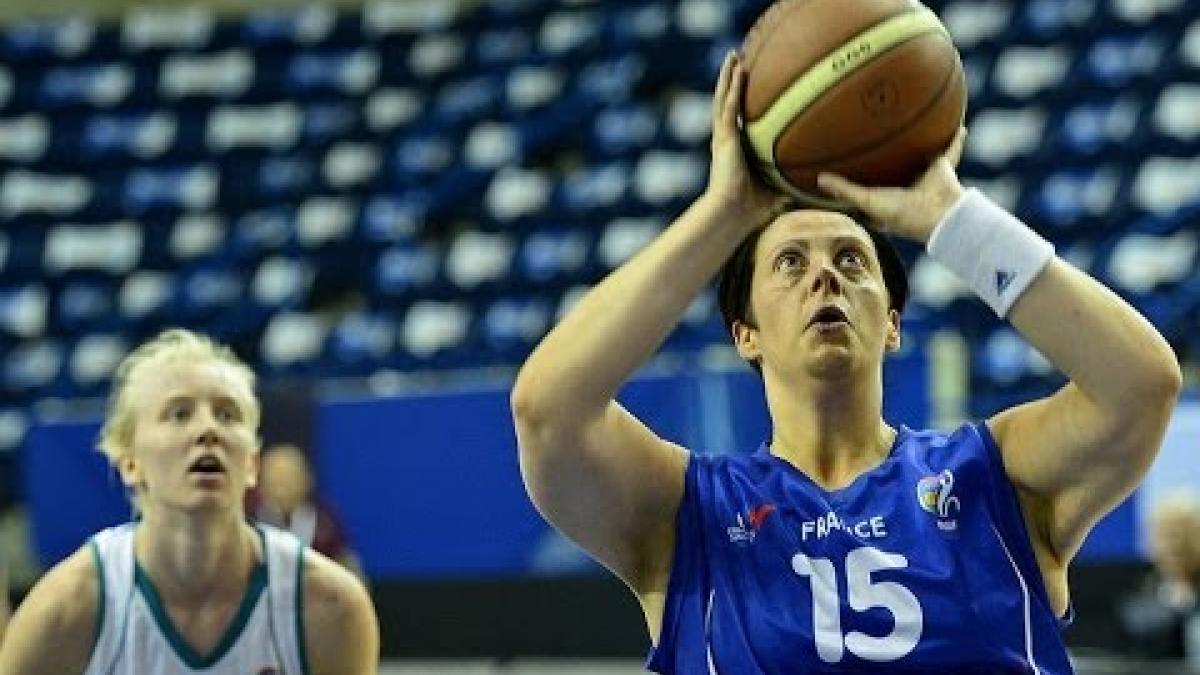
point(258, 582)
point(302, 645)
point(103, 592)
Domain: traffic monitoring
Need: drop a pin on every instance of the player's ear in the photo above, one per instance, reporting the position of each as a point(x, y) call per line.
point(892, 339)
point(253, 463)
point(745, 339)
point(130, 470)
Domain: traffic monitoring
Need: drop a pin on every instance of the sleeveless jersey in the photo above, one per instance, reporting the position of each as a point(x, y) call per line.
point(135, 636)
point(920, 565)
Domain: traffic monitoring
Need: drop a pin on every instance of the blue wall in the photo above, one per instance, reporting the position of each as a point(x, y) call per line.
point(429, 486)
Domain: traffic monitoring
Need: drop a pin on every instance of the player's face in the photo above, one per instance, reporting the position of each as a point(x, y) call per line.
point(286, 481)
point(818, 297)
point(1174, 543)
point(193, 443)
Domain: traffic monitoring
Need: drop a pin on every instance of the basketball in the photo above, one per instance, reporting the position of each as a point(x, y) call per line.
point(870, 89)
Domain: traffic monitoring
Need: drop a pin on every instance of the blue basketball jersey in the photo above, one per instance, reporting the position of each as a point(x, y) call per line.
point(921, 565)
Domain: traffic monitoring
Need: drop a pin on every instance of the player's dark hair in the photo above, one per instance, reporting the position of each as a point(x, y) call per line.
point(733, 287)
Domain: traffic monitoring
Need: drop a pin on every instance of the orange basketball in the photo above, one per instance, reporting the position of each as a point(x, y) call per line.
point(870, 89)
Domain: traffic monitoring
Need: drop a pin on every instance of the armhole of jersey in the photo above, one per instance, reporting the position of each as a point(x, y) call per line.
point(101, 594)
point(1005, 488)
point(661, 656)
point(301, 641)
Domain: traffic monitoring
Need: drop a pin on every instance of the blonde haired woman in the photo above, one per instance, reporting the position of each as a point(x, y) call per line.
point(191, 587)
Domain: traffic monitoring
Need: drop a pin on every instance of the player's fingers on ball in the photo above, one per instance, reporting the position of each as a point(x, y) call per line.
point(841, 188)
point(733, 98)
point(954, 152)
point(723, 83)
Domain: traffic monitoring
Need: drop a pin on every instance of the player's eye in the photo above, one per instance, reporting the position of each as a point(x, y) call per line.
point(179, 412)
point(227, 414)
point(789, 262)
point(852, 258)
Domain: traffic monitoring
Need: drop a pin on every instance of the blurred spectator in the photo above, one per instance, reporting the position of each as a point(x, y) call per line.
point(287, 499)
point(1163, 614)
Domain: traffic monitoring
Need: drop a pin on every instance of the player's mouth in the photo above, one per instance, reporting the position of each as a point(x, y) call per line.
point(829, 318)
point(207, 468)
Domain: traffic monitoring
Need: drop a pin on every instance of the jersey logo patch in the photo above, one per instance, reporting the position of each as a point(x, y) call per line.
point(743, 533)
point(1003, 279)
point(935, 495)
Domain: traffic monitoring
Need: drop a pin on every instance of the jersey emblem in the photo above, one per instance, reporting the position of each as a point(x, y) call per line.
point(1003, 279)
point(935, 495)
point(747, 528)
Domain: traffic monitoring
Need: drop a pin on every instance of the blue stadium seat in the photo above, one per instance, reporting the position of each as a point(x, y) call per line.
point(32, 366)
point(47, 39)
point(288, 26)
point(553, 255)
point(406, 270)
point(511, 326)
point(179, 187)
point(598, 189)
point(624, 131)
point(206, 291)
point(1115, 62)
point(1073, 198)
point(93, 360)
point(83, 304)
point(360, 344)
point(137, 136)
point(24, 311)
point(1090, 128)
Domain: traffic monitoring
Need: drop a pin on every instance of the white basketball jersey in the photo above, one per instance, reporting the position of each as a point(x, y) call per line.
point(136, 637)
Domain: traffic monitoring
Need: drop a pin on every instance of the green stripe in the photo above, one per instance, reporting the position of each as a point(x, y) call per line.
point(258, 582)
point(103, 591)
point(303, 645)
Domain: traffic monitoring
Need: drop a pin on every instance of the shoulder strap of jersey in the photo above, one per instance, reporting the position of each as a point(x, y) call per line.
point(112, 551)
point(285, 573)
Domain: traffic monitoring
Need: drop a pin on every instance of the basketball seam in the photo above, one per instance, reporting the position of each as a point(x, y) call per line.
point(917, 116)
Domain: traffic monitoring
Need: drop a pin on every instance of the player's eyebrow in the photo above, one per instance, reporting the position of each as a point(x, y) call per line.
point(805, 243)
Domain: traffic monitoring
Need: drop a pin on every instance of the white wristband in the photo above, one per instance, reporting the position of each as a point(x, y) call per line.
point(992, 251)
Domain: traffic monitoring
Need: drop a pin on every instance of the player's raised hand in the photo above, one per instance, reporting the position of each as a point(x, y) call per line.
point(910, 212)
point(731, 182)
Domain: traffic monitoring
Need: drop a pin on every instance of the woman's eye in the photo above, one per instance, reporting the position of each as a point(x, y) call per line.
point(788, 262)
point(178, 413)
point(225, 415)
point(853, 259)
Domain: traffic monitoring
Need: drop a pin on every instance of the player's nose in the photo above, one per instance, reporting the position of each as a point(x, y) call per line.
point(825, 278)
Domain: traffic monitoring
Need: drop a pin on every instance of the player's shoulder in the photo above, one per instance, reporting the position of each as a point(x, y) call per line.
point(328, 584)
point(338, 613)
point(60, 610)
point(69, 594)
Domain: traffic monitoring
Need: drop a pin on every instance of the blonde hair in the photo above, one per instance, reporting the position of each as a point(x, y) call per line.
point(117, 433)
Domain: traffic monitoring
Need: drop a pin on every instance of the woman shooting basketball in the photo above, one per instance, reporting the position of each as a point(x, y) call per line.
point(843, 544)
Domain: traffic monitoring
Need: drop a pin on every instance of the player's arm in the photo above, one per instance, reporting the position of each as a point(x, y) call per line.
point(54, 629)
point(1076, 454)
point(592, 469)
point(341, 633)
point(1079, 452)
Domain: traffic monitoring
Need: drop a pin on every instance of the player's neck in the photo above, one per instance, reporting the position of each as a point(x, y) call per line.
point(832, 431)
point(189, 556)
